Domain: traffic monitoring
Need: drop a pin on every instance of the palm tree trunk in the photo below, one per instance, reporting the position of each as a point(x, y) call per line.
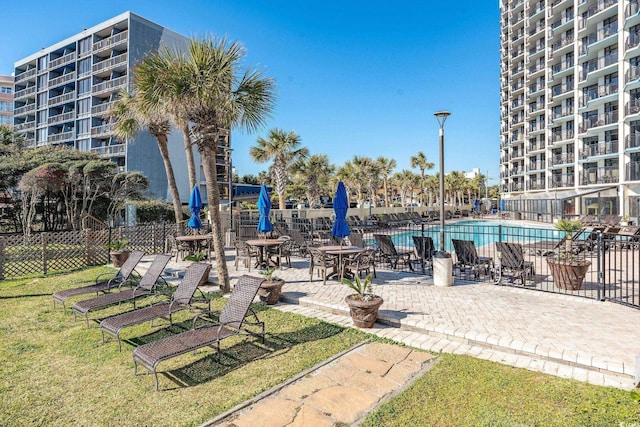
point(171, 179)
point(213, 196)
point(191, 164)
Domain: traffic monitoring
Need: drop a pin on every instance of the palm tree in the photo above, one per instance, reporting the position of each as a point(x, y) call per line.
point(284, 148)
point(146, 74)
point(131, 116)
point(386, 166)
point(420, 161)
point(217, 96)
point(406, 181)
point(313, 174)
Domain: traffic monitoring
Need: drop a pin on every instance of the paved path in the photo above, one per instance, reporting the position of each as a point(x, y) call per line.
point(591, 341)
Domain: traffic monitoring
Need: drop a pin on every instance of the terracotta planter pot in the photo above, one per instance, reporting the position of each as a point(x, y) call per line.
point(363, 313)
point(118, 257)
point(270, 291)
point(568, 274)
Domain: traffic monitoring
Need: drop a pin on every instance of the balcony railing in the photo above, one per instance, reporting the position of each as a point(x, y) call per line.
point(632, 41)
point(561, 89)
point(536, 28)
point(599, 120)
point(561, 159)
point(61, 137)
point(599, 7)
point(109, 41)
point(599, 92)
point(561, 136)
point(537, 165)
point(631, 9)
point(561, 181)
point(535, 185)
point(102, 130)
point(101, 108)
point(25, 75)
point(25, 92)
point(25, 109)
point(62, 79)
point(632, 73)
point(109, 85)
point(563, 112)
point(25, 125)
point(562, 66)
point(109, 63)
point(110, 150)
point(61, 118)
point(599, 149)
point(597, 64)
point(61, 99)
point(540, 145)
point(633, 171)
point(517, 186)
point(564, 41)
point(632, 107)
point(564, 18)
point(632, 140)
point(62, 60)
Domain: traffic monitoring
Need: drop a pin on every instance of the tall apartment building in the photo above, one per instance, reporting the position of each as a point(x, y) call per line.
point(570, 106)
point(6, 100)
point(64, 91)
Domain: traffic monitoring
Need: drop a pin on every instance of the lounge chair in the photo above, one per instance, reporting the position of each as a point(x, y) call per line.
point(468, 258)
point(231, 322)
point(146, 286)
point(390, 253)
point(102, 284)
point(425, 250)
point(511, 257)
point(180, 300)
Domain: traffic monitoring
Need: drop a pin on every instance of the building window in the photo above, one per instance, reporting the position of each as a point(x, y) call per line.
point(43, 63)
point(42, 99)
point(6, 120)
point(84, 126)
point(84, 86)
point(6, 89)
point(84, 66)
point(84, 46)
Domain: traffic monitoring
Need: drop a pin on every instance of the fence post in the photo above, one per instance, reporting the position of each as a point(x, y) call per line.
point(600, 271)
point(89, 247)
point(44, 253)
point(2, 256)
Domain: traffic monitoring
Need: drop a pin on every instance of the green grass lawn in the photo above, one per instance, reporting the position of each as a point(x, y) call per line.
point(56, 372)
point(463, 391)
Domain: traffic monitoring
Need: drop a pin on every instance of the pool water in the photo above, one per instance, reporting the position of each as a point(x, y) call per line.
point(482, 233)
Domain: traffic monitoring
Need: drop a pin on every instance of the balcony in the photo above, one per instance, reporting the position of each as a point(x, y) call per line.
point(109, 63)
point(536, 28)
point(557, 113)
point(29, 108)
point(61, 118)
point(599, 120)
point(110, 41)
point(561, 89)
point(633, 171)
point(599, 92)
point(599, 7)
point(102, 131)
point(632, 140)
point(632, 41)
point(632, 107)
point(98, 110)
point(536, 165)
point(599, 149)
point(536, 146)
point(561, 136)
point(517, 186)
point(597, 64)
point(562, 66)
point(561, 181)
point(25, 75)
point(62, 79)
point(534, 10)
point(564, 19)
point(62, 60)
point(25, 92)
point(61, 137)
point(25, 125)
point(110, 150)
point(561, 159)
point(61, 99)
point(632, 74)
point(564, 41)
point(631, 9)
point(535, 185)
point(109, 85)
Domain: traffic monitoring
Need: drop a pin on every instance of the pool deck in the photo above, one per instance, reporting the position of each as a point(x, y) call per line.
point(570, 337)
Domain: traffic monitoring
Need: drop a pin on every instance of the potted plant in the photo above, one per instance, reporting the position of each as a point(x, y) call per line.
point(118, 251)
point(271, 287)
point(567, 269)
point(363, 305)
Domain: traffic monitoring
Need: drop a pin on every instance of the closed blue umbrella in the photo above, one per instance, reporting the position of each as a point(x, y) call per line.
point(502, 205)
point(340, 227)
point(264, 206)
point(476, 205)
point(195, 205)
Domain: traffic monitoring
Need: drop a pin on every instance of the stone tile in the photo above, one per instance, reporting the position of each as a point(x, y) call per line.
point(311, 417)
point(331, 401)
point(304, 387)
point(361, 380)
point(401, 372)
point(359, 362)
point(269, 413)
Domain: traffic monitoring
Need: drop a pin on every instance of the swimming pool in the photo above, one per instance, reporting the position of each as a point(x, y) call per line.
point(482, 233)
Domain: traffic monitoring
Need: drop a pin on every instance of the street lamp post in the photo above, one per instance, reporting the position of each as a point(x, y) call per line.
point(442, 262)
point(441, 116)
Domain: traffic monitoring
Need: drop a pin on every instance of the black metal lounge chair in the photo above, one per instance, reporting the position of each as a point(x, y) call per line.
point(425, 250)
point(147, 285)
point(180, 300)
point(102, 284)
point(231, 322)
point(511, 257)
point(390, 253)
point(468, 258)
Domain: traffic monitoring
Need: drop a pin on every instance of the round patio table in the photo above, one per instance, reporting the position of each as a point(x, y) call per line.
point(194, 240)
point(264, 244)
point(342, 252)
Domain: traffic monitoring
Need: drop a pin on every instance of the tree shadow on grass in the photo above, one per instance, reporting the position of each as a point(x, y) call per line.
point(236, 352)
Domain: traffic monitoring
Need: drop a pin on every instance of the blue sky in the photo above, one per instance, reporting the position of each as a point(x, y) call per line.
point(353, 77)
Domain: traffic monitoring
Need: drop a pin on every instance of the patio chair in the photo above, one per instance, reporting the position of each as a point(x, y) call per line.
point(362, 262)
point(245, 253)
point(176, 248)
point(321, 262)
point(231, 322)
point(102, 284)
point(147, 285)
point(424, 248)
point(390, 253)
point(511, 257)
point(468, 258)
point(181, 299)
point(282, 253)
